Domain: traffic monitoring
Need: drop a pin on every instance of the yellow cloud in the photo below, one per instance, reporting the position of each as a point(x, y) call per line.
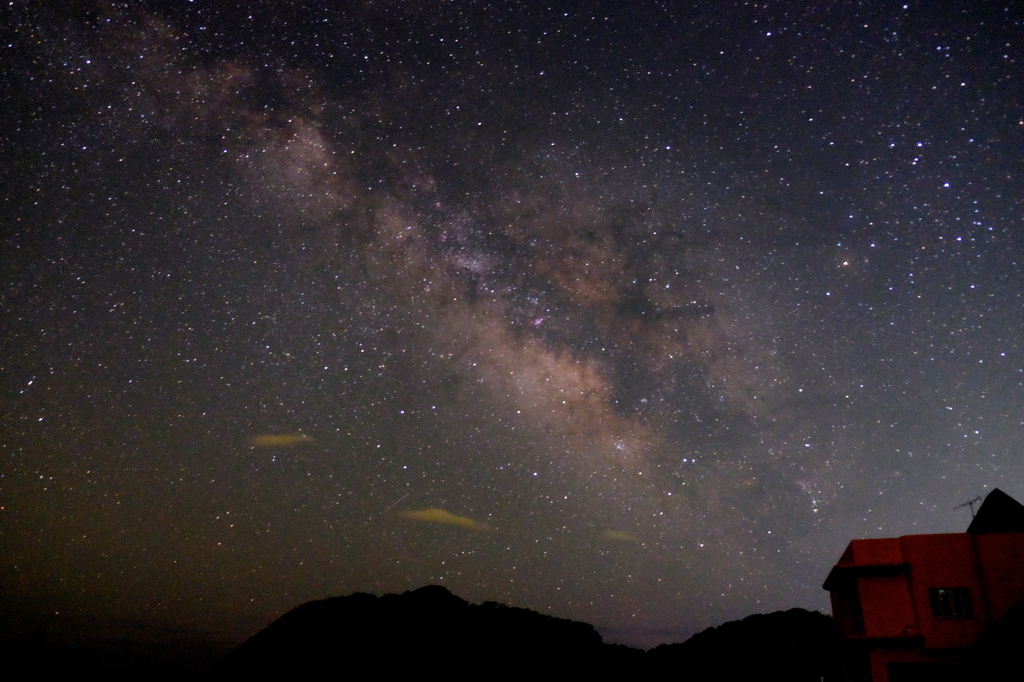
point(280, 440)
point(619, 536)
point(445, 517)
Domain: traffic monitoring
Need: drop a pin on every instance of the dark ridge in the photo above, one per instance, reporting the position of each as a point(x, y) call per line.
point(430, 629)
point(794, 645)
point(426, 629)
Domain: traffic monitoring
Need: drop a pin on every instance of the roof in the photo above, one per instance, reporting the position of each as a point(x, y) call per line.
point(999, 513)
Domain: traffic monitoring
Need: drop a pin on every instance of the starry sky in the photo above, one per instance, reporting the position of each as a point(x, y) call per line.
point(632, 313)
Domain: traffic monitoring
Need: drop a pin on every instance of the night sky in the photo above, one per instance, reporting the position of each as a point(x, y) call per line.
point(627, 312)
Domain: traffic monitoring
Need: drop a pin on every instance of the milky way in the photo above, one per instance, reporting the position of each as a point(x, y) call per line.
point(634, 318)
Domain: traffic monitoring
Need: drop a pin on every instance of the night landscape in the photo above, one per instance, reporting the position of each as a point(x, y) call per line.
point(505, 333)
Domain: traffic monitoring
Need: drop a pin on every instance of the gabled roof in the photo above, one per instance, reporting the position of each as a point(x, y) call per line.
point(999, 513)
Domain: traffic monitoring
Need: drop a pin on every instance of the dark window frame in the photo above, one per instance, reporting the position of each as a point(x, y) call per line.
point(951, 602)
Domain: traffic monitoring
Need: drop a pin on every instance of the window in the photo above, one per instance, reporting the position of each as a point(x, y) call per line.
point(951, 602)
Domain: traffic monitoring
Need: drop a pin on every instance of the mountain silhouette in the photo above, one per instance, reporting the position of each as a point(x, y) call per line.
point(794, 645)
point(430, 629)
point(425, 629)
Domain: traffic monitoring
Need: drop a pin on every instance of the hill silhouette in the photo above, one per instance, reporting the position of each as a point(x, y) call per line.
point(794, 645)
point(425, 629)
point(430, 629)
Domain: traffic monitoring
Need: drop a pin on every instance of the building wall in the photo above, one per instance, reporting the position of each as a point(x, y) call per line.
point(883, 606)
point(1001, 556)
point(846, 611)
point(886, 606)
point(882, 657)
point(881, 551)
point(945, 561)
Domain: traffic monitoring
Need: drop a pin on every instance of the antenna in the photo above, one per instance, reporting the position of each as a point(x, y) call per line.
point(969, 503)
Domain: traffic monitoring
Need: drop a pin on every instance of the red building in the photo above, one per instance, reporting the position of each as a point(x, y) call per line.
point(908, 608)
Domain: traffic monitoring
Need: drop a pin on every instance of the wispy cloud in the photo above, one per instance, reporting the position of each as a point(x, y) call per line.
point(280, 440)
point(445, 517)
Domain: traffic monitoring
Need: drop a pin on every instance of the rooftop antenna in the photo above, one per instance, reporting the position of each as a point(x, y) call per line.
point(969, 503)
